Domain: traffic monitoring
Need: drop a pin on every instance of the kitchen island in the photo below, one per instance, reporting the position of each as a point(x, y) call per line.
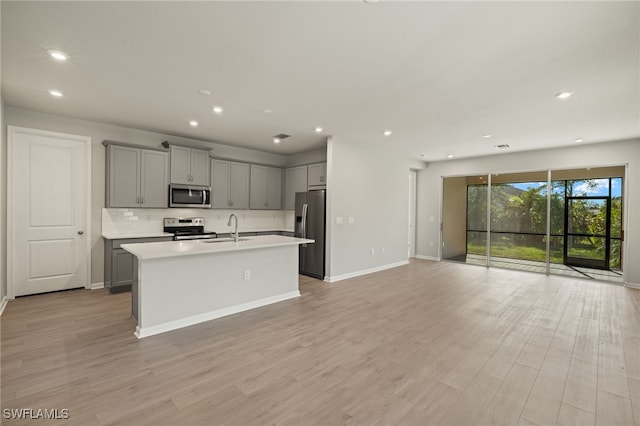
point(181, 283)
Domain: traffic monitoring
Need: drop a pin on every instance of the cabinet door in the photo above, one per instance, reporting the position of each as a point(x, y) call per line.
point(124, 176)
point(200, 167)
point(122, 268)
point(295, 180)
point(220, 184)
point(154, 179)
point(317, 176)
point(258, 190)
point(274, 188)
point(239, 186)
point(180, 167)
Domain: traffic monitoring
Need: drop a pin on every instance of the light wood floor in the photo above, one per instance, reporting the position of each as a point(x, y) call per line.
point(428, 343)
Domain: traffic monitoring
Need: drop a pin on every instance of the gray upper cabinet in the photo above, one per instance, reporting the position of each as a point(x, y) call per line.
point(318, 176)
point(230, 185)
point(136, 177)
point(189, 166)
point(266, 188)
point(239, 185)
point(295, 180)
point(154, 179)
point(220, 184)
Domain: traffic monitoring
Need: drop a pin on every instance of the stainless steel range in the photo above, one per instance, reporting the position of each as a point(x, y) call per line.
point(189, 228)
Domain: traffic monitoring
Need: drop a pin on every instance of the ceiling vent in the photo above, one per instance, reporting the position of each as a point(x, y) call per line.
point(502, 146)
point(282, 136)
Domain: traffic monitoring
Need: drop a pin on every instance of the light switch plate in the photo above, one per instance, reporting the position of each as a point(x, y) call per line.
point(352, 220)
point(338, 220)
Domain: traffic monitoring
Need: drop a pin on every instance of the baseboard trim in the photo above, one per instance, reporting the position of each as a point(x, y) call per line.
point(419, 256)
point(208, 316)
point(632, 285)
point(366, 271)
point(95, 286)
point(3, 304)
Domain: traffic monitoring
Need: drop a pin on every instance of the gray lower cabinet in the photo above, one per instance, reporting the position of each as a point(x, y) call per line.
point(120, 268)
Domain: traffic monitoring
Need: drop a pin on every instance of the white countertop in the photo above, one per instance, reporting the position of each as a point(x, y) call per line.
point(191, 247)
point(151, 234)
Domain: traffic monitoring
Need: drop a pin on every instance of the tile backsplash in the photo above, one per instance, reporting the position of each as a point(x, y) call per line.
point(150, 220)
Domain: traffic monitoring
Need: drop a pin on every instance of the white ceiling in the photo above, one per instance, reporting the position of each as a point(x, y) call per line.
point(439, 74)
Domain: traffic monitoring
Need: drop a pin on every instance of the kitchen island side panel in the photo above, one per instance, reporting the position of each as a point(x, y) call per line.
point(179, 291)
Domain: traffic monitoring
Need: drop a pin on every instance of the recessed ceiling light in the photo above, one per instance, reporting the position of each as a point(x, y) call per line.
point(487, 136)
point(56, 93)
point(193, 123)
point(276, 140)
point(564, 95)
point(450, 156)
point(204, 92)
point(318, 129)
point(387, 132)
point(579, 140)
point(217, 109)
point(58, 55)
point(267, 111)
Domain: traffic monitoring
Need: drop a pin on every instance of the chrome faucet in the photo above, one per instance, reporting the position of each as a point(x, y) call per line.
point(233, 234)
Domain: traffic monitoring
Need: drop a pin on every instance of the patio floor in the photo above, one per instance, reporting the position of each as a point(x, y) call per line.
point(541, 267)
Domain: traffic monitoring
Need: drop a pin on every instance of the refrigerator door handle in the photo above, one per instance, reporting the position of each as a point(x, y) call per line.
point(304, 222)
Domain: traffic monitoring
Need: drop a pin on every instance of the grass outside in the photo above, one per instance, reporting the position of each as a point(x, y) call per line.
point(533, 248)
point(514, 251)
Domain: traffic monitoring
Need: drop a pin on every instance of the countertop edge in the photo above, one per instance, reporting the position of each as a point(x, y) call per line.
point(140, 250)
point(131, 235)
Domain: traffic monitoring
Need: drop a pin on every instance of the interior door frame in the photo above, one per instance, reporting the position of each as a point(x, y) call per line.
point(12, 132)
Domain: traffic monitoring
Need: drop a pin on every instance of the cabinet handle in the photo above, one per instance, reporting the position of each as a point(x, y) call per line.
point(321, 178)
point(141, 200)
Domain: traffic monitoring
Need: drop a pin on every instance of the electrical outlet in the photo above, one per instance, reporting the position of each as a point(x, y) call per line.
point(373, 251)
point(382, 250)
point(247, 275)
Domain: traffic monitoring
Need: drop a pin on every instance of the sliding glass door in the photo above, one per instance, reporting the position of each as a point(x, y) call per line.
point(566, 222)
point(586, 232)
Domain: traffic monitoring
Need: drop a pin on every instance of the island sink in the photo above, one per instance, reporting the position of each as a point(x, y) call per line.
point(224, 240)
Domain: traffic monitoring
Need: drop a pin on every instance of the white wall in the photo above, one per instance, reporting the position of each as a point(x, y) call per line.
point(368, 184)
point(577, 156)
point(311, 157)
point(3, 203)
point(99, 132)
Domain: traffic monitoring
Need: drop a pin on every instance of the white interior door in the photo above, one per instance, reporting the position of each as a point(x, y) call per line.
point(48, 189)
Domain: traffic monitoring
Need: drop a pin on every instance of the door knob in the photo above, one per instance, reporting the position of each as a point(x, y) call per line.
point(80, 232)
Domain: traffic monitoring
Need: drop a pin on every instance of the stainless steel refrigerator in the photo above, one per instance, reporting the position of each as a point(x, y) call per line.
point(310, 223)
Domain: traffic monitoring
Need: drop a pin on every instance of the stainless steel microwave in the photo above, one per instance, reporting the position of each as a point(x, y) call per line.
point(189, 196)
